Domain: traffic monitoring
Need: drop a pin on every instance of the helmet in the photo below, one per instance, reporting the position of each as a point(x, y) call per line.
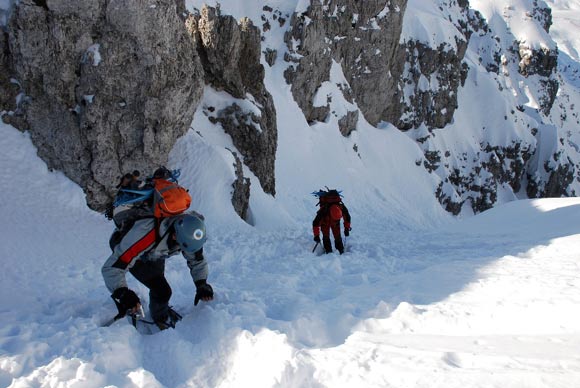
point(190, 233)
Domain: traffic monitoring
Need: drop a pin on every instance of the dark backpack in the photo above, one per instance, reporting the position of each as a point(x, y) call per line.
point(330, 200)
point(328, 196)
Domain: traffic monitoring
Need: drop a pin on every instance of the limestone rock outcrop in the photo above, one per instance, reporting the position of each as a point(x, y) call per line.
point(108, 86)
point(230, 53)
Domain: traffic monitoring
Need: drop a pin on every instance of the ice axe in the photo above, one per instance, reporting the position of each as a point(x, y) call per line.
point(138, 314)
point(315, 245)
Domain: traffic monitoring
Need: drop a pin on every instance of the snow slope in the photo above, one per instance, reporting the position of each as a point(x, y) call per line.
point(565, 14)
point(486, 302)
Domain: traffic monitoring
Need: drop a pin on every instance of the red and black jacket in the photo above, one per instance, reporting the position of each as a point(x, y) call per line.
point(323, 217)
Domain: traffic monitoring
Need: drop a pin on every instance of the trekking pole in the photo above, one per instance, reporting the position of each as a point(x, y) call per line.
point(313, 249)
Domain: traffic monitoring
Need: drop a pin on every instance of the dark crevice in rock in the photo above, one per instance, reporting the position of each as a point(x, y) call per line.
point(241, 190)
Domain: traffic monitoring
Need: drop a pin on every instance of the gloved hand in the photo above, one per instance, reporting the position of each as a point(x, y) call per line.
point(204, 292)
point(347, 231)
point(317, 239)
point(126, 300)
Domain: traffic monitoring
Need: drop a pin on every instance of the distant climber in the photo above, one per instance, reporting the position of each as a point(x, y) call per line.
point(328, 217)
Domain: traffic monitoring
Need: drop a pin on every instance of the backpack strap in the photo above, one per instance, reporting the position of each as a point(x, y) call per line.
point(158, 236)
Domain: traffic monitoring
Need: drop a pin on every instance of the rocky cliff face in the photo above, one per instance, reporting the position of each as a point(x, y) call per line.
point(406, 84)
point(105, 87)
point(230, 54)
point(522, 165)
point(9, 88)
point(414, 84)
point(362, 37)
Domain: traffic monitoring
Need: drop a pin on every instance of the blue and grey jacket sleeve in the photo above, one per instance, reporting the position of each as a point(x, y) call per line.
point(138, 240)
point(197, 264)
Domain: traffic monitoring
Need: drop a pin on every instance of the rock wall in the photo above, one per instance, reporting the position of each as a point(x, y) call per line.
point(9, 89)
point(109, 85)
point(230, 53)
point(476, 179)
point(343, 31)
point(431, 79)
point(542, 62)
point(388, 81)
point(414, 86)
point(106, 87)
point(240, 190)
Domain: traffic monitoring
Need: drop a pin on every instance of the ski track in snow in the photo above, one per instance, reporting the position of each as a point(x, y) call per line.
point(480, 302)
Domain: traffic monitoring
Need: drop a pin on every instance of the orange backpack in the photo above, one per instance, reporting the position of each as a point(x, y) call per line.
point(169, 199)
point(335, 212)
